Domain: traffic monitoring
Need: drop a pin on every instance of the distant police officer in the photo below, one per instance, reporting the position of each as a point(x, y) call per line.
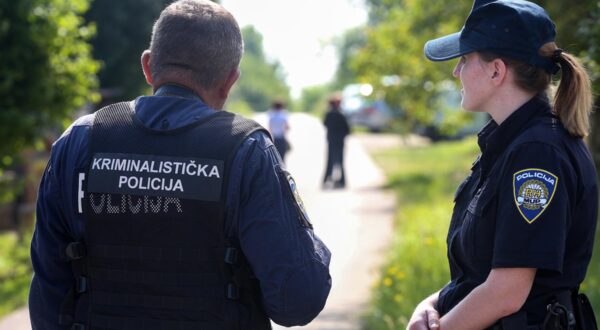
point(166, 213)
point(523, 225)
point(337, 128)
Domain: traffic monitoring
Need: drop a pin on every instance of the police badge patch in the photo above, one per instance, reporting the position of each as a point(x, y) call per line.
point(304, 219)
point(533, 190)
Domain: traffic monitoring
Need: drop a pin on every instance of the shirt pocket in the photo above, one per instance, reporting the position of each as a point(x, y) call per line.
point(479, 224)
point(461, 187)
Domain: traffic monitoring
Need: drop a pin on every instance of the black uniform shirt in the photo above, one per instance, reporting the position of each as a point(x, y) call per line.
point(337, 126)
point(530, 201)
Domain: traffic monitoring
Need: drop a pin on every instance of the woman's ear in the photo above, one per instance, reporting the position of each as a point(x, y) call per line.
point(498, 71)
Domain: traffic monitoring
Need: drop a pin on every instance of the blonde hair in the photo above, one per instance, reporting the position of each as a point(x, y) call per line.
point(573, 99)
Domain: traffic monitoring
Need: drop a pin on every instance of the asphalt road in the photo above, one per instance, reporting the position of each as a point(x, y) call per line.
point(355, 223)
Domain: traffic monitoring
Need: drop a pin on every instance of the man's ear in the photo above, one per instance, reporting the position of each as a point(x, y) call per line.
point(499, 71)
point(228, 83)
point(146, 67)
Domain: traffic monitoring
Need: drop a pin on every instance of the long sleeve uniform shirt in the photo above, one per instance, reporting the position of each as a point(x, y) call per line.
point(289, 260)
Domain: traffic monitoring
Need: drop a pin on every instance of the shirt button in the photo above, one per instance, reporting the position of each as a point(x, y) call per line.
point(164, 124)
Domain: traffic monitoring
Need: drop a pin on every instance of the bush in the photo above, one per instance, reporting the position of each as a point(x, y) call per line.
point(15, 271)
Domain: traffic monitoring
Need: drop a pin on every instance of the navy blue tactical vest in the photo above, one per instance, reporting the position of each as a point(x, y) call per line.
point(155, 254)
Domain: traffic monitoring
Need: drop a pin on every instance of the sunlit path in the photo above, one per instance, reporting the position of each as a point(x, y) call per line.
point(355, 223)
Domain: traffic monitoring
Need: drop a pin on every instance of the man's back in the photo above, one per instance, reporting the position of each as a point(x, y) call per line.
point(249, 221)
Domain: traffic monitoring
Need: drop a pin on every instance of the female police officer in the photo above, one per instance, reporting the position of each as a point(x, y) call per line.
point(523, 225)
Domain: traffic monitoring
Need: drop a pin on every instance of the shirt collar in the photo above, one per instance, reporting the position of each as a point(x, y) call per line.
point(171, 107)
point(175, 90)
point(494, 138)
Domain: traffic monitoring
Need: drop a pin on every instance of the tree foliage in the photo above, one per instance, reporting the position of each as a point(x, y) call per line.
point(398, 29)
point(124, 29)
point(314, 99)
point(47, 69)
point(347, 47)
point(394, 47)
point(261, 80)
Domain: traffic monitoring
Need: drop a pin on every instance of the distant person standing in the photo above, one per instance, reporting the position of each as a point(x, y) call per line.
point(278, 126)
point(337, 129)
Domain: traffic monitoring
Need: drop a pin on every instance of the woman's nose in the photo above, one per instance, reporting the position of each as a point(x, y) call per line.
point(457, 68)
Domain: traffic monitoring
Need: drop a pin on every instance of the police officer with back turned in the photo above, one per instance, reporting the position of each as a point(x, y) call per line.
point(168, 213)
point(523, 225)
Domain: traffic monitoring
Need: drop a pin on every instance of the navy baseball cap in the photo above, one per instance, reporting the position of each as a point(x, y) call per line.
point(515, 29)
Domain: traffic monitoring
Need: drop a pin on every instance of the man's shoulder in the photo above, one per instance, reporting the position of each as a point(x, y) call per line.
point(77, 128)
point(260, 139)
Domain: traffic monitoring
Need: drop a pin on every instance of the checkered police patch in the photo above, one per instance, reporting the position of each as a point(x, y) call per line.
point(303, 215)
point(533, 190)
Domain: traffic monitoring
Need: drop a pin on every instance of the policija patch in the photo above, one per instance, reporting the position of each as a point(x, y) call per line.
point(533, 190)
point(304, 219)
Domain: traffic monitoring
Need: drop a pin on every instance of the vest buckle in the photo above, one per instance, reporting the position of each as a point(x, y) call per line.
point(81, 284)
point(77, 326)
point(231, 255)
point(75, 251)
point(233, 292)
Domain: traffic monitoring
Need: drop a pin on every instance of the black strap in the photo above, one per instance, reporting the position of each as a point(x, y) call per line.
point(156, 301)
point(154, 278)
point(153, 254)
point(67, 309)
point(75, 253)
point(121, 323)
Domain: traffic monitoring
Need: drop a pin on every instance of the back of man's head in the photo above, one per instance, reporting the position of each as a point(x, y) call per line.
point(196, 39)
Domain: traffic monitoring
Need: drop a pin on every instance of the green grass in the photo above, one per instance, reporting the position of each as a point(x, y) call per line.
point(425, 179)
point(15, 271)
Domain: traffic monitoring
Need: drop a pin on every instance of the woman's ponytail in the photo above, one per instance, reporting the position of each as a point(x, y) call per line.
point(573, 99)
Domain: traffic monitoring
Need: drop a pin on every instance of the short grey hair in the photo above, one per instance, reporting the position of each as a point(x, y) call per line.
point(198, 38)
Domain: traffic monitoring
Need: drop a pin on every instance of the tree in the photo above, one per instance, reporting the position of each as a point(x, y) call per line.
point(47, 69)
point(314, 99)
point(261, 81)
point(394, 47)
point(124, 29)
point(347, 46)
point(398, 30)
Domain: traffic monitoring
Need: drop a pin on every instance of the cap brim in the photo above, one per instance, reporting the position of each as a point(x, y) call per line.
point(446, 48)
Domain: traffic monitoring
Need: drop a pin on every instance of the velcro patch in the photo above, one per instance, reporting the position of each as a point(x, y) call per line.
point(533, 189)
point(154, 175)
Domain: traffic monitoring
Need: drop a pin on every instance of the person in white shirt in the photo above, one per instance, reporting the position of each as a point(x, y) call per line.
point(278, 126)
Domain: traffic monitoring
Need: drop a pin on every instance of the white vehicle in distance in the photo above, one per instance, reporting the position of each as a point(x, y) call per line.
point(362, 108)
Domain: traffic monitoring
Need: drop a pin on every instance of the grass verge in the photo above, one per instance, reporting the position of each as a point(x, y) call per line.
point(15, 271)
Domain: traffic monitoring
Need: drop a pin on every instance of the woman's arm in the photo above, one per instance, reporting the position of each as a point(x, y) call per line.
point(425, 316)
point(503, 293)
